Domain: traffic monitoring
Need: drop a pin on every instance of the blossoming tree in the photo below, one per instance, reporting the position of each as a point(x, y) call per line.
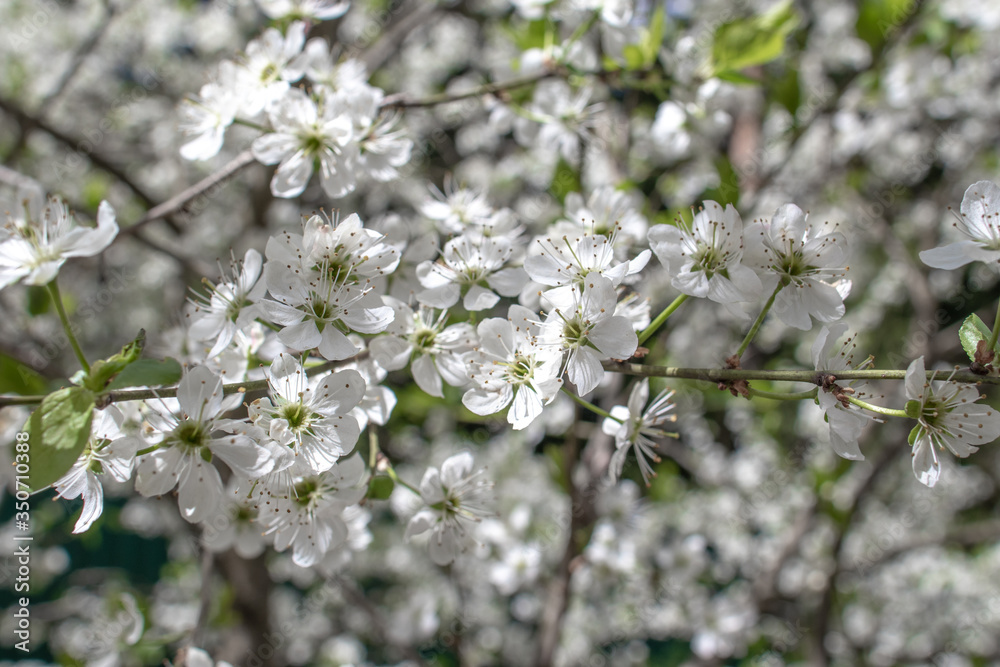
point(507, 373)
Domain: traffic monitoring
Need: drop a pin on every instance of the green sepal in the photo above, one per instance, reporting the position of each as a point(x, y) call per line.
point(913, 409)
point(752, 41)
point(57, 433)
point(912, 438)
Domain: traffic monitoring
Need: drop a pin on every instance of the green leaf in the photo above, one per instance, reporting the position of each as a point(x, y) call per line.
point(564, 181)
point(57, 433)
point(973, 330)
point(104, 370)
point(380, 488)
point(752, 41)
point(148, 373)
point(877, 19)
point(17, 378)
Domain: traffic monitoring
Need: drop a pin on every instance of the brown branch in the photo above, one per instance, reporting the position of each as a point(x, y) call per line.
point(28, 121)
point(181, 201)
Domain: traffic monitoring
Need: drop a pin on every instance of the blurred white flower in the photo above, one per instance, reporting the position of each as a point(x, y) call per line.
point(456, 498)
point(35, 247)
point(633, 427)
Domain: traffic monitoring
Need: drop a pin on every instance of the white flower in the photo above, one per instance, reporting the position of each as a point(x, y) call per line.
point(314, 422)
point(980, 221)
point(456, 498)
point(456, 209)
point(233, 525)
point(556, 120)
point(472, 268)
point(206, 117)
point(309, 516)
point(704, 258)
point(36, 247)
point(608, 212)
point(323, 70)
point(510, 365)
point(305, 134)
point(947, 417)
point(845, 421)
point(565, 263)
point(230, 308)
point(633, 427)
point(109, 451)
point(381, 147)
point(439, 350)
point(320, 10)
point(589, 331)
point(188, 447)
point(316, 312)
point(344, 249)
point(808, 262)
point(270, 64)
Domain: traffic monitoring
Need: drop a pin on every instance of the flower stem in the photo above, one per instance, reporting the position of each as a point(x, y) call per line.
point(57, 299)
point(760, 320)
point(778, 396)
point(996, 331)
point(396, 478)
point(889, 412)
point(661, 318)
point(590, 406)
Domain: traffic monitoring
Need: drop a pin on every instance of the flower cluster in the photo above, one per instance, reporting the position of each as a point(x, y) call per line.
point(337, 124)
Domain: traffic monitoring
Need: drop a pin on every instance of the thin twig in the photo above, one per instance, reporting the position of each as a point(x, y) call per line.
point(77, 145)
point(180, 201)
point(402, 100)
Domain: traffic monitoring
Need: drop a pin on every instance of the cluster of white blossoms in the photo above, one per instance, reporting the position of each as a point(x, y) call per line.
point(571, 308)
point(336, 124)
point(507, 318)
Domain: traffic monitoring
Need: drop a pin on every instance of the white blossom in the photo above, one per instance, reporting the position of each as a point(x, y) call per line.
point(634, 427)
point(455, 499)
point(704, 258)
point(188, 445)
point(589, 331)
point(313, 421)
point(809, 262)
point(980, 221)
point(948, 417)
point(36, 246)
point(510, 366)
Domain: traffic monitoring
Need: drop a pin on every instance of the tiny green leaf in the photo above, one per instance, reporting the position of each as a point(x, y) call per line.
point(753, 41)
point(104, 370)
point(380, 488)
point(57, 433)
point(973, 330)
point(148, 373)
